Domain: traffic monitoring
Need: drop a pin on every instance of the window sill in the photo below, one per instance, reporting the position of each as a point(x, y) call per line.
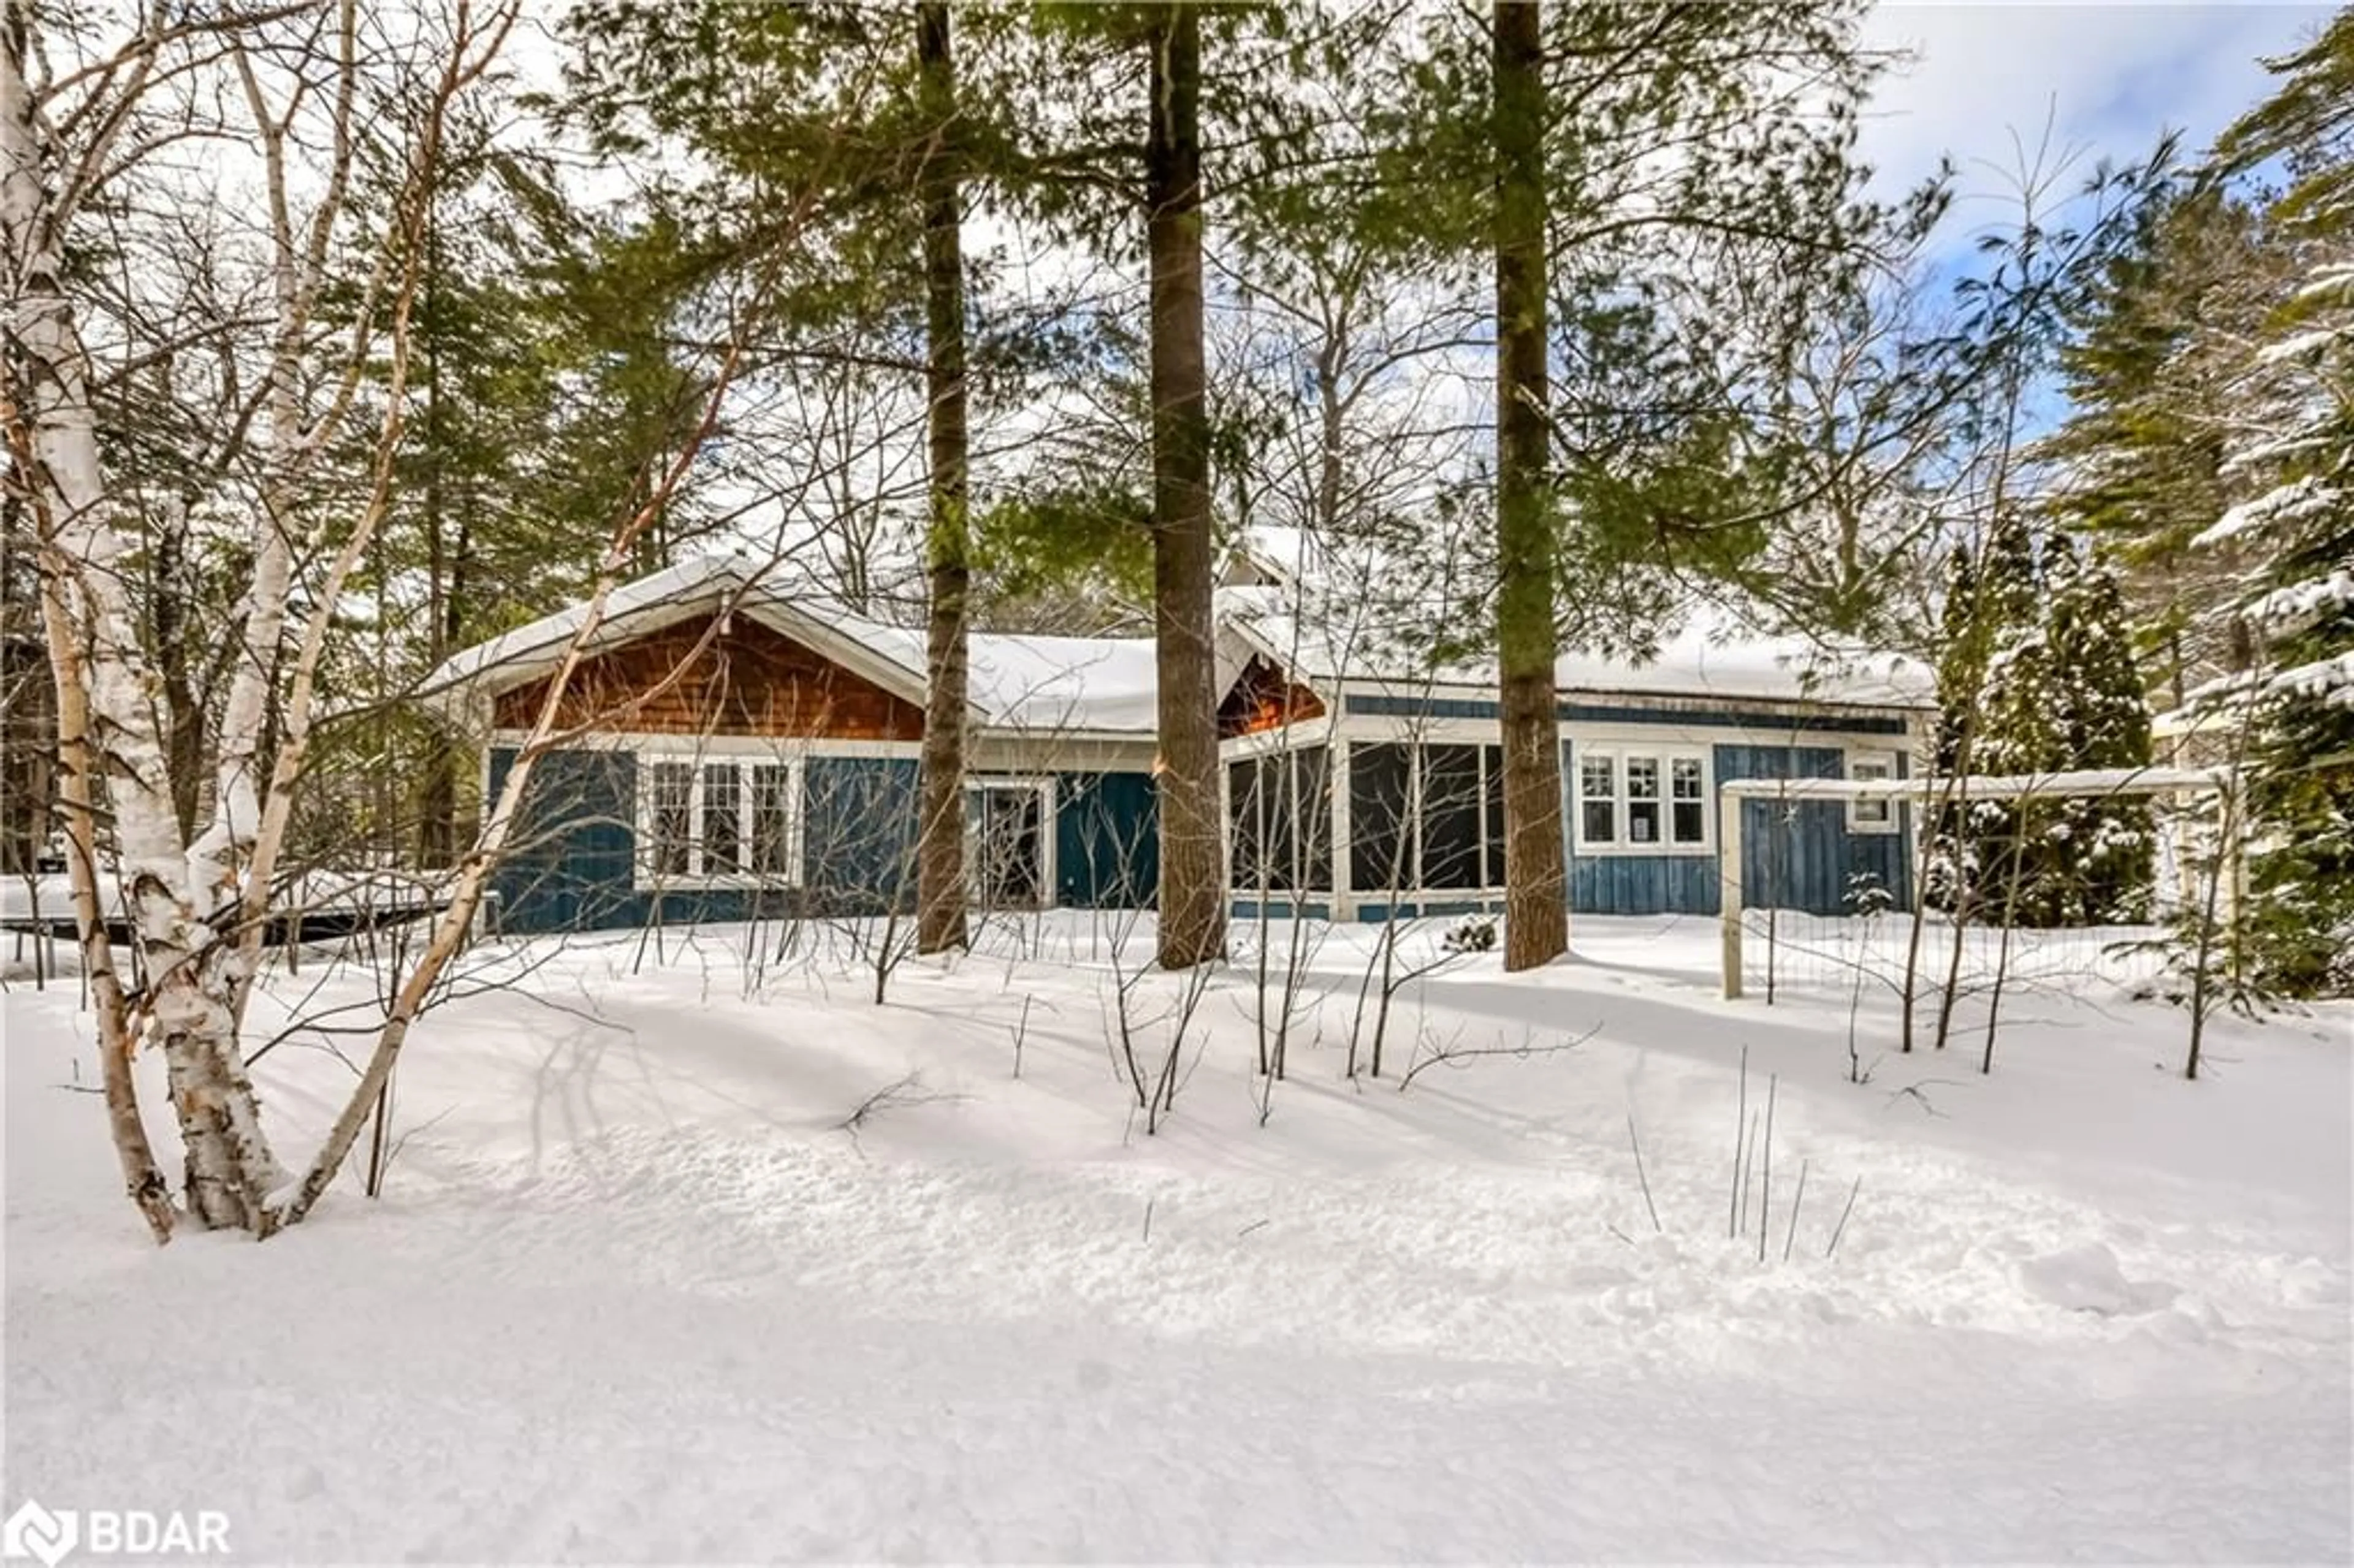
point(737, 883)
point(1622, 852)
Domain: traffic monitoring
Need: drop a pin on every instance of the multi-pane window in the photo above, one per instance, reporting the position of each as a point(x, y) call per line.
point(669, 838)
point(1689, 809)
point(1426, 817)
point(1874, 814)
point(1641, 800)
point(1597, 798)
point(1280, 811)
point(773, 814)
point(723, 819)
point(718, 821)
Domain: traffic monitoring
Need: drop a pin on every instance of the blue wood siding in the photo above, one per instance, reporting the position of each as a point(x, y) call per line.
point(1800, 856)
point(1106, 841)
point(570, 866)
point(567, 865)
point(1643, 884)
point(858, 840)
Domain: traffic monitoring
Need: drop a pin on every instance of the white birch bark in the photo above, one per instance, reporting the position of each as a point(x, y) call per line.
point(229, 1168)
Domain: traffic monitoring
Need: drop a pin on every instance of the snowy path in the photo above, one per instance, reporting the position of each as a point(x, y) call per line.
point(631, 1297)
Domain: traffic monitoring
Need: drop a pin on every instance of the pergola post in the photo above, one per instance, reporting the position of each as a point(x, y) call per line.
point(1336, 782)
point(1729, 813)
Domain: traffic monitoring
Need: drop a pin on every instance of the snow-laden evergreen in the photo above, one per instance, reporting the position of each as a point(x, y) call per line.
point(2291, 710)
point(2041, 678)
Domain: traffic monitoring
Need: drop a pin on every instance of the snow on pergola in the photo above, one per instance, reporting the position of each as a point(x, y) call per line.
point(2098, 783)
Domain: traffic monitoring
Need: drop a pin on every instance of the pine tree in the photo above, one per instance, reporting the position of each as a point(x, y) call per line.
point(940, 846)
point(1536, 923)
point(2297, 445)
point(1193, 824)
point(2017, 730)
point(899, 197)
point(2102, 847)
point(2157, 347)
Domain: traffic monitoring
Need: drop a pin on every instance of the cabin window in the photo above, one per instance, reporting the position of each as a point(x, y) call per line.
point(1643, 801)
point(1426, 817)
point(1878, 814)
point(1009, 827)
point(717, 822)
point(1280, 813)
point(1688, 810)
point(1597, 798)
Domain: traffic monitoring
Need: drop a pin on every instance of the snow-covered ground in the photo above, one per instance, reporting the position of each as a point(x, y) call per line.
point(635, 1291)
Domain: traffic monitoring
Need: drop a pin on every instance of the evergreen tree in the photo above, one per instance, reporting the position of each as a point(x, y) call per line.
point(2296, 443)
point(1193, 924)
point(1536, 920)
point(1691, 213)
point(939, 847)
point(2102, 847)
point(2038, 677)
point(2157, 351)
point(2016, 729)
point(897, 186)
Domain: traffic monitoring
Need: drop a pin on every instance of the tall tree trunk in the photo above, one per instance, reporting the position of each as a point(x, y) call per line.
point(1192, 858)
point(939, 852)
point(437, 805)
point(1536, 908)
point(439, 841)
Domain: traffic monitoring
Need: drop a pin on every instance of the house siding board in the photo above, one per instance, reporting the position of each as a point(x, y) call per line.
point(1106, 841)
point(568, 865)
point(1804, 859)
point(748, 679)
point(858, 836)
point(575, 839)
point(1644, 884)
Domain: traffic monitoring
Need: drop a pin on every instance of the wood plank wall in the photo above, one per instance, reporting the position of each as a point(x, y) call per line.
point(748, 681)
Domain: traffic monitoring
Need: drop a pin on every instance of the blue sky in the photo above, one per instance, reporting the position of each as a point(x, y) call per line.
point(2113, 76)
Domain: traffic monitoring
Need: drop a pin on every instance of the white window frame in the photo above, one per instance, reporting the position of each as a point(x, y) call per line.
point(643, 875)
point(1616, 753)
point(1043, 785)
point(1884, 763)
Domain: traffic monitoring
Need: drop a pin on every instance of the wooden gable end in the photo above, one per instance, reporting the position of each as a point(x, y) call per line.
point(1263, 698)
point(746, 681)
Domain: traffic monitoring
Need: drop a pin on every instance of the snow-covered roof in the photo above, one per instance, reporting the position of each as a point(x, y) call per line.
point(1108, 686)
point(1712, 656)
point(1061, 684)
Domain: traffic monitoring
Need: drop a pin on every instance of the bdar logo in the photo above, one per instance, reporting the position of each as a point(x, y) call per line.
point(33, 1532)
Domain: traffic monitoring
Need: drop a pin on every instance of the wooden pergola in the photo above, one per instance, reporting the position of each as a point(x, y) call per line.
point(1953, 790)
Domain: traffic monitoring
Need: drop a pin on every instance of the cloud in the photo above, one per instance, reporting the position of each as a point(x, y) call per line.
point(2109, 79)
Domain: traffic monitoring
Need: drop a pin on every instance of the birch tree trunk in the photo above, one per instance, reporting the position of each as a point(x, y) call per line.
point(229, 1168)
